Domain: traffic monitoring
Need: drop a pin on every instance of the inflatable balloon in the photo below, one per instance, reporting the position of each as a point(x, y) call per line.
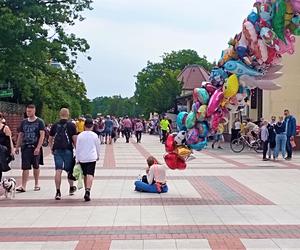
point(196, 106)
point(250, 33)
point(192, 136)
point(253, 17)
point(239, 68)
point(174, 161)
point(278, 19)
point(183, 152)
point(209, 88)
point(273, 76)
point(289, 13)
point(180, 138)
point(190, 120)
point(200, 145)
point(217, 76)
point(231, 86)
point(201, 113)
point(170, 143)
point(266, 12)
point(202, 95)
point(269, 37)
point(296, 5)
point(203, 129)
point(214, 102)
point(180, 121)
point(289, 45)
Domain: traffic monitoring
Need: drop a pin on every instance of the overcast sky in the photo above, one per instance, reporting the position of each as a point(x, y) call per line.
point(125, 34)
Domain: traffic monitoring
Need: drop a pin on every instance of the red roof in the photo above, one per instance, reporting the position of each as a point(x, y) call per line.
point(192, 76)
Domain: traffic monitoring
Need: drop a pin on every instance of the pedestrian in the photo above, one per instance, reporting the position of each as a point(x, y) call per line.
point(87, 154)
point(62, 140)
point(281, 138)
point(115, 128)
point(290, 123)
point(80, 124)
point(265, 139)
point(30, 139)
point(7, 150)
point(272, 138)
point(236, 129)
point(138, 128)
point(108, 129)
point(155, 179)
point(165, 128)
point(127, 124)
point(218, 137)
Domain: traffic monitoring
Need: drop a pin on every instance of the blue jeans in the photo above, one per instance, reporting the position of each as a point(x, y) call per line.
point(281, 140)
point(144, 187)
point(63, 159)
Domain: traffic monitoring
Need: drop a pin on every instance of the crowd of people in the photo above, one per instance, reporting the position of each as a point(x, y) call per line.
point(277, 135)
point(78, 142)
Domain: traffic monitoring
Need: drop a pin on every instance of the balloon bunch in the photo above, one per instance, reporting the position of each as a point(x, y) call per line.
point(252, 60)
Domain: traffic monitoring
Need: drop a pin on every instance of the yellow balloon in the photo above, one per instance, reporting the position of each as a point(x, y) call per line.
point(184, 151)
point(288, 14)
point(231, 86)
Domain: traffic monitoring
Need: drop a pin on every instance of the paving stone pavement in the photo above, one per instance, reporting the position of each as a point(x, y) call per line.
point(222, 200)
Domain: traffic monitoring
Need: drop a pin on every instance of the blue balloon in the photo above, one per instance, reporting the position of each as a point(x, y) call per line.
point(180, 121)
point(199, 146)
point(253, 17)
point(239, 68)
point(217, 76)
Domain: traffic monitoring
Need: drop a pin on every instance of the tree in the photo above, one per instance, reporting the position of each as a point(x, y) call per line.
point(157, 85)
point(33, 32)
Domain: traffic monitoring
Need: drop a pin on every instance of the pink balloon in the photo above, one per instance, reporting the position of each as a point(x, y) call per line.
point(174, 161)
point(210, 88)
point(214, 101)
point(289, 45)
point(295, 5)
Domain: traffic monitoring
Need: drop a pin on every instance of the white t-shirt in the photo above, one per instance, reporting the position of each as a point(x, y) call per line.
point(237, 125)
point(157, 172)
point(87, 147)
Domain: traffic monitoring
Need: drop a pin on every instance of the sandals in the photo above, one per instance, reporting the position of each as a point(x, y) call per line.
point(36, 188)
point(20, 190)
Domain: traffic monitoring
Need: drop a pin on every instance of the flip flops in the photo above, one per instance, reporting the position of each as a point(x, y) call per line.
point(20, 190)
point(36, 188)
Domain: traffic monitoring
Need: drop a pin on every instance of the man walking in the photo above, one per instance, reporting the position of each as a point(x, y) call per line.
point(30, 139)
point(290, 123)
point(62, 138)
point(165, 128)
point(127, 124)
point(108, 124)
point(87, 153)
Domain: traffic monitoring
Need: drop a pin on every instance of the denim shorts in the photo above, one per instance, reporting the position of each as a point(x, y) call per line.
point(63, 159)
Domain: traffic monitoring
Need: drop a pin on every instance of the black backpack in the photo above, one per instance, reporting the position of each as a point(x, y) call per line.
point(61, 138)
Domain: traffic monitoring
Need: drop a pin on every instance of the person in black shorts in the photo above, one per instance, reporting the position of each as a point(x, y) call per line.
point(30, 139)
point(87, 153)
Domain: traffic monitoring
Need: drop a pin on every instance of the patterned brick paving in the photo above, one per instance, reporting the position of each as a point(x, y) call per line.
point(109, 157)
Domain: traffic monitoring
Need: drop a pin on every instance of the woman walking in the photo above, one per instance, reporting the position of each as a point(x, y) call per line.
point(6, 146)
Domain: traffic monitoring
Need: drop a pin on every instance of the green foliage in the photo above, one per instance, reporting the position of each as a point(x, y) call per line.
point(115, 105)
point(157, 86)
point(33, 32)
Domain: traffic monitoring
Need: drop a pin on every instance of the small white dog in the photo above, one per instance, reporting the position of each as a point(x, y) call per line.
point(9, 186)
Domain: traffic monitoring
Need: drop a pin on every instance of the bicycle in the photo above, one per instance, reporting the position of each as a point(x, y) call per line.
point(239, 144)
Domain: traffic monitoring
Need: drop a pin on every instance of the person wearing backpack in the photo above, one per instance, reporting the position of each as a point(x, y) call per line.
point(62, 139)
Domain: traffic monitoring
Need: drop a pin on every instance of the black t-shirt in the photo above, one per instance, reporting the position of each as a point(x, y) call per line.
point(31, 131)
point(70, 129)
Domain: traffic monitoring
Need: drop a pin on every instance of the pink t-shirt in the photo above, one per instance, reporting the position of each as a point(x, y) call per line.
point(127, 123)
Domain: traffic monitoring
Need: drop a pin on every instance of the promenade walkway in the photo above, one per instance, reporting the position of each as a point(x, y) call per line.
point(221, 201)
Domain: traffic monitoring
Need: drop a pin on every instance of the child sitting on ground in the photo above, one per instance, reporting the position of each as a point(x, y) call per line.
point(155, 180)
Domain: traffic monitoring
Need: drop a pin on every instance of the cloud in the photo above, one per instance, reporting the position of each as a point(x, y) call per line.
point(125, 34)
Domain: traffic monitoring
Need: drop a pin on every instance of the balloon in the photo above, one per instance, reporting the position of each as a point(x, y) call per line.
point(253, 17)
point(239, 68)
point(200, 145)
point(192, 136)
point(266, 12)
point(262, 84)
point(217, 76)
point(209, 88)
point(214, 102)
point(202, 95)
point(295, 5)
point(250, 33)
point(261, 51)
point(227, 55)
point(170, 143)
point(196, 106)
point(180, 121)
point(287, 46)
point(201, 113)
point(190, 120)
point(278, 19)
point(174, 161)
point(231, 86)
point(183, 151)
point(269, 76)
point(203, 129)
point(288, 14)
point(268, 36)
